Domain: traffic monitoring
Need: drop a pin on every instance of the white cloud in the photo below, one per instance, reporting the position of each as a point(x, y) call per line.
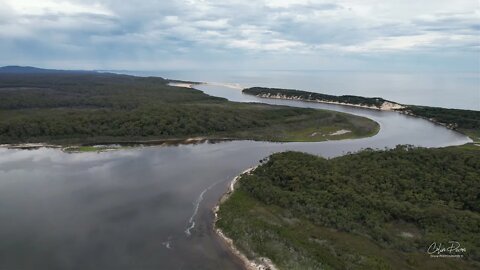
point(286, 3)
point(42, 7)
point(212, 24)
point(107, 28)
point(403, 43)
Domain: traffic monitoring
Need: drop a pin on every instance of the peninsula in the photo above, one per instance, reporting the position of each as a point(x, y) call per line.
point(368, 210)
point(79, 107)
point(388, 209)
point(464, 121)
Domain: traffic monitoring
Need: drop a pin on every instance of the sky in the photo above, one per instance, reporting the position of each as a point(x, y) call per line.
point(370, 35)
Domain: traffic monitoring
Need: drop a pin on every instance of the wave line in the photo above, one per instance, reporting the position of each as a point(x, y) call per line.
point(191, 221)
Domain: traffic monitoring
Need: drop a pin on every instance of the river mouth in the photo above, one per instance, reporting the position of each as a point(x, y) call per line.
point(150, 208)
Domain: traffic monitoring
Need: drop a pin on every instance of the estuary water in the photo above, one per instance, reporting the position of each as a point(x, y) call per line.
point(438, 89)
point(150, 208)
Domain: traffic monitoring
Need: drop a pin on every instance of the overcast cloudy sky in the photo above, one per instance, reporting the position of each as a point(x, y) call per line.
point(405, 35)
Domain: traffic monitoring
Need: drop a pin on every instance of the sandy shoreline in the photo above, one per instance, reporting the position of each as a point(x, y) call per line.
point(235, 86)
point(386, 106)
point(27, 146)
point(161, 142)
point(181, 84)
point(258, 263)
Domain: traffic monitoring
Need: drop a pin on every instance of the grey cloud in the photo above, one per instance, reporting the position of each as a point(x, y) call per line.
point(460, 23)
point(307, 7)
point(227, 28)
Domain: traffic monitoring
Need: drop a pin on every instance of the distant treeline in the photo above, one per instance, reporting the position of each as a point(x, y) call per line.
point(369, 210)
point(356, 100)
point(100, 107)
point(466, 121)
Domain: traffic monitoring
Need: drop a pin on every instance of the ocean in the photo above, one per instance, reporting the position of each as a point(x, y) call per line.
point(448, 90)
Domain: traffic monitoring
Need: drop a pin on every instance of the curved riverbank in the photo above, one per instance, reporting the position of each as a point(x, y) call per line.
point(127, 203)
point(288, 209)
point(465, 122)
point(256, 264)
point(113, 145)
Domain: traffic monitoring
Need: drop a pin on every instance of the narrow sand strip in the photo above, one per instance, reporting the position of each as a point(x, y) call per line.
point(258, 263)
point(186, 85)
point(235, 86)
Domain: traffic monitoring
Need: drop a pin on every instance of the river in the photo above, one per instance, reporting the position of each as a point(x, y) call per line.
point(459, 90)
point(150, 208)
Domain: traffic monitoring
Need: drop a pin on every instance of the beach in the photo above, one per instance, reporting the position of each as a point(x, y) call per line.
point(260, 263)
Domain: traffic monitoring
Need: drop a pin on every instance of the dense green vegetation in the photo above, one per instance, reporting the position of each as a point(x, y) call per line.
point(357, 100)
point(369, 210)
point(88, 107)
point(465, 121)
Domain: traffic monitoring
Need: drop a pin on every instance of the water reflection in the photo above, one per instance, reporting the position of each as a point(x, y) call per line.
point(441, 89)
point(130, 209)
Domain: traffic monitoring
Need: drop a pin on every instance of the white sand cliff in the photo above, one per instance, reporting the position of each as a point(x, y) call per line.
point(386, 106)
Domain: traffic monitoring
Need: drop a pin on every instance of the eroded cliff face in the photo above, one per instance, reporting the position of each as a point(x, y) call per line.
point(386, 106)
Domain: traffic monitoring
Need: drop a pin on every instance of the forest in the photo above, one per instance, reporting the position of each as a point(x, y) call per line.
point(357, 100)
point(367, 210)
point(465, 121)
point(90, 107)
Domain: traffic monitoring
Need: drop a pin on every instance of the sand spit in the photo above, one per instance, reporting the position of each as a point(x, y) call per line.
point(386, 106)
point(340, 132)
point(235, 86)
point(186, 85)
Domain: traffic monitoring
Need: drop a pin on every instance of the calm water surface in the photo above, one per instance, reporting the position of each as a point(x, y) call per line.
point(449, 90)
point(149, 208)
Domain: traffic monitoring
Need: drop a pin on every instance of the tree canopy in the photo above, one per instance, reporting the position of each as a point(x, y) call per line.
point(104, 107)
point(400, 200)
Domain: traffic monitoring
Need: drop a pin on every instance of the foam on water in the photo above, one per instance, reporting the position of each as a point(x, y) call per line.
point(191, 221)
